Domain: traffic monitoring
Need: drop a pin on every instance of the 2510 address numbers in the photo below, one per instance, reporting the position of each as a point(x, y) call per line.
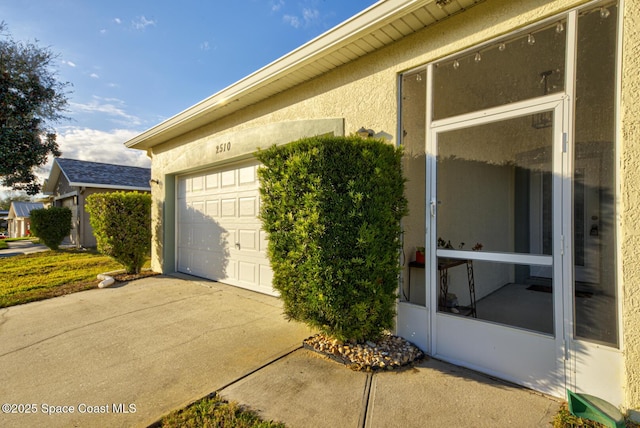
point(224, 147)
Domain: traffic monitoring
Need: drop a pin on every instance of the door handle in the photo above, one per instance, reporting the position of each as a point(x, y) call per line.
point(432, 206)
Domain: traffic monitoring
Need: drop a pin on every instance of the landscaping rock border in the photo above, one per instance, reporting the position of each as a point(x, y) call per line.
point(389, 353)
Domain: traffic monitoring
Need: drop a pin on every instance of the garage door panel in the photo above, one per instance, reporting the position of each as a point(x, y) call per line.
point(247, 239)
point(248, 206)
point(263, 241)
point(247, 175)
point(197, 183)
point(228, 208)
point(211, 181)
point(247, 272)
point(231, 273)
point(228, 178)
point(213, 208)
point(197, 211)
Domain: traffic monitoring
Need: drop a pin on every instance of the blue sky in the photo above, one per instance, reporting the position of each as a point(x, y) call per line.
point(134, 63)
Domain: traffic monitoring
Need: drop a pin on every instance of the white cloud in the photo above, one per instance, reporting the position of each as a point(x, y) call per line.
point(117, 20)
point(141, 23)
point(204, 46)
point(101, 146)
point(109, 106)
point(310, 15)
point(95, 146)
point(69, 63)
point(277, 5)
point(294, 21)
point(94, 76)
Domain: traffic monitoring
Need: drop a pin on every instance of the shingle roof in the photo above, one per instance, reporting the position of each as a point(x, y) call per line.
point(96, 174)
point(23, 209)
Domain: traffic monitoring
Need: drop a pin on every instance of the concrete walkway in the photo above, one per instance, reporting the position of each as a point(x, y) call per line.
point(127, 356)
point(22, 247)
point(305, 390)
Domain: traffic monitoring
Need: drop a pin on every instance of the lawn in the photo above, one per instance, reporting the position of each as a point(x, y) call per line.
point(216, 412)
point(39, 276)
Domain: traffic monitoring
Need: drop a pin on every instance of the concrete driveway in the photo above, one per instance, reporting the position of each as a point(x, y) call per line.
point(126, 356)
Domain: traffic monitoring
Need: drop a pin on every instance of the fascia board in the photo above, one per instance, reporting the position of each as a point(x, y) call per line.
point(109, 186)
point(54, 175)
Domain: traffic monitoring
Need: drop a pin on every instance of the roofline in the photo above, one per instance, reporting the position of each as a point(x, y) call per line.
point(109, 186)
point(373, 17)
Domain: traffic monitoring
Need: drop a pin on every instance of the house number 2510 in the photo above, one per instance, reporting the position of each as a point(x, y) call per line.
point(224, 147)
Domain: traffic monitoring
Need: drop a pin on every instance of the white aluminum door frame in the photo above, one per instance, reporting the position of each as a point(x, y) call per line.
point(550, 376)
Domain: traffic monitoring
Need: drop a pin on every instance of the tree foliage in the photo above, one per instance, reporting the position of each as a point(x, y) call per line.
point(121, 223)
point(51, 225)
point(31, 99)
point(332, 208)
point(7, 198)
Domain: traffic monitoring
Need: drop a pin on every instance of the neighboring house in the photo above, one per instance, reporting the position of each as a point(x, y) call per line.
point(19, 218)
point(520, 127)
point(71, 181)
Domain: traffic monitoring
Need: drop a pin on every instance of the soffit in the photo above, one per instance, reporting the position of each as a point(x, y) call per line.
point(376, 27)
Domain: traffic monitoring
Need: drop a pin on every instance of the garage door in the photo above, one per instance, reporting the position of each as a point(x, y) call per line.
point(219, 233)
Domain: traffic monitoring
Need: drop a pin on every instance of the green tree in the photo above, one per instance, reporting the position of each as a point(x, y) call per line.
point(31, 99)
point(51, 225)
point(121, 223)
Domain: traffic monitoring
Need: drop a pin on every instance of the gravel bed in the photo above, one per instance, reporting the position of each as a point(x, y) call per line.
point(388, 353)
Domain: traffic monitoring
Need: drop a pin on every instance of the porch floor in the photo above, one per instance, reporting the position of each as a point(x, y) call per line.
point(515, 305)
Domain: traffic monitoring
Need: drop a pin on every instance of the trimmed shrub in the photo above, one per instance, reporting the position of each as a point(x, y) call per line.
point(51, 225)
point(121, 223)
point(332, 208)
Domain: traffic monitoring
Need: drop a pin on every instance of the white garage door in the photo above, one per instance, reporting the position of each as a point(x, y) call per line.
point(219, 233)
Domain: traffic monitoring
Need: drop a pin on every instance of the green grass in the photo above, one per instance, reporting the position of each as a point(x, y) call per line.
point(30, 277)
point(215, 412)
point(3, 244)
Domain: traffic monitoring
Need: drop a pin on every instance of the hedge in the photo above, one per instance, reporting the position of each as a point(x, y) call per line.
point(51, 225)
point(332, 208)
point(121, 223)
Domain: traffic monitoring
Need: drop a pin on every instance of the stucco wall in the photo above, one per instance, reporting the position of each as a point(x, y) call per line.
point(365, 93)
point(630, 200)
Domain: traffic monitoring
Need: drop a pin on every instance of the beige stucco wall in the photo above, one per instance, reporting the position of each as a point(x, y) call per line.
point(629, 152)
point(364, 93)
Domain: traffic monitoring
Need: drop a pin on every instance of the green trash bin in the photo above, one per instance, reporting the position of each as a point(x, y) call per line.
point(596, 409)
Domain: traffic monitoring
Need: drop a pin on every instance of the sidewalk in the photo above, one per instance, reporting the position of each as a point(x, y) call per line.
point(22, 247)
point(305, 390)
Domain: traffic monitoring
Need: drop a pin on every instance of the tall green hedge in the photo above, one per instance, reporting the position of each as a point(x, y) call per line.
point(332, 208)
point(121, 223)
point(51, 225)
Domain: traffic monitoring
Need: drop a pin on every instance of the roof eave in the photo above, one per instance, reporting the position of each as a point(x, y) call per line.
point(111, 186)
point(371, 18)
